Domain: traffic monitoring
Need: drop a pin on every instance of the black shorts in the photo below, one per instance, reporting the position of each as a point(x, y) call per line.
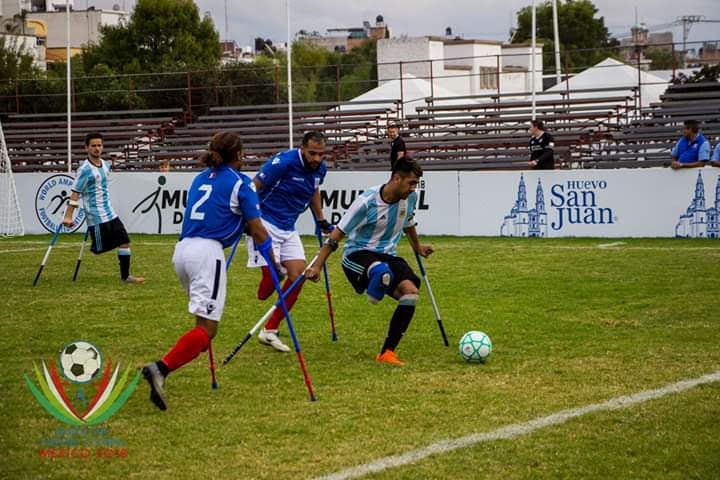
point(108, 236)
point(356, 265)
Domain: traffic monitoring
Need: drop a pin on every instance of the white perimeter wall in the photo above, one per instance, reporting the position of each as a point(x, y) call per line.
point(597, 203)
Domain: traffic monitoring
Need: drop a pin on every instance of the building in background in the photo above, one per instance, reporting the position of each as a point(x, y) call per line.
point(345, 39)
point(45, 21)
point(640, 41)
point(463, 66)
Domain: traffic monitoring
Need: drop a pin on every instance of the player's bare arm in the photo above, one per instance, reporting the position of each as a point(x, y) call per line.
point(313, 271)
point(422, 250)
point(70, 210)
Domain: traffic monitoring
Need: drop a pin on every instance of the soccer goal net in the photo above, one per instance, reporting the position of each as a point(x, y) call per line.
point(10, 218)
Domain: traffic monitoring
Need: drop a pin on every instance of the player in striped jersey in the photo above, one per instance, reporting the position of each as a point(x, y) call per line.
point(374, 224)
point(107, 232)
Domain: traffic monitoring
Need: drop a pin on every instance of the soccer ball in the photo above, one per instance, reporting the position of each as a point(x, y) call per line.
point(475, 347)
point(80, 361)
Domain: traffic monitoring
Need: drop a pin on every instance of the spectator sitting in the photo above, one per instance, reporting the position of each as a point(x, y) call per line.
point(692, 149)
point(715, 159)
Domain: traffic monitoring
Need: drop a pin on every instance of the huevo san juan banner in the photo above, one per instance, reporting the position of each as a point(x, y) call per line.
point(593, 203)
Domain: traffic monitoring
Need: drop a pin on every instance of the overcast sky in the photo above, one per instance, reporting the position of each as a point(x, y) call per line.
point(486, 19)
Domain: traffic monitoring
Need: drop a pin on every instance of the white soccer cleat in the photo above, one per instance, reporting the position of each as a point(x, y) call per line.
point(271, 339)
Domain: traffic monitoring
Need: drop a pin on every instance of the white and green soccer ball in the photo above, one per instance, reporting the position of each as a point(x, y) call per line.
point(475, 347)
point(80, 361)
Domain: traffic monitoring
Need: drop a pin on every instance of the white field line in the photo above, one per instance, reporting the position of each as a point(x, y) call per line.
point(611, 245)
point(33, 249)
point(515, 430)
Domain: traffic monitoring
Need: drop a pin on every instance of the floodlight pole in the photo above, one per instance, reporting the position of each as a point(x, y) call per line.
point(69, 89)
point(289, 77)
point(556, 31)
point(532, 58)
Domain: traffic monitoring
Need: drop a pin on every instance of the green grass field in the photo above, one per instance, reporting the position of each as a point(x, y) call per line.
point(572, 324)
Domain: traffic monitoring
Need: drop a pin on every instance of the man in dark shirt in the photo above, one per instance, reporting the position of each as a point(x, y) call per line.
point(541, 147)
point(397, 146)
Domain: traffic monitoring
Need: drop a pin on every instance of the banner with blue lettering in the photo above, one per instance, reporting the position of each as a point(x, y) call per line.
point(653, 202)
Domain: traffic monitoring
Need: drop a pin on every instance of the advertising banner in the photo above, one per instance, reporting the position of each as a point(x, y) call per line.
point(583, 203)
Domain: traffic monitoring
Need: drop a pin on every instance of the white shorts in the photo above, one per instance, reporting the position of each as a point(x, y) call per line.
point(200, 266)
point(286, 246)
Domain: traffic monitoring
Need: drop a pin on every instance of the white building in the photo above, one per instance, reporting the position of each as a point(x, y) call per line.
point(85, 28)
point(465, 67)
point(27, 44)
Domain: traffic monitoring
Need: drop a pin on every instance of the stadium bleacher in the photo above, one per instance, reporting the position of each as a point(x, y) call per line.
point(593, 128)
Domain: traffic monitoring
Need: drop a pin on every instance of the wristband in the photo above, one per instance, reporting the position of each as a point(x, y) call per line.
point(332, 243)
point(73, 203)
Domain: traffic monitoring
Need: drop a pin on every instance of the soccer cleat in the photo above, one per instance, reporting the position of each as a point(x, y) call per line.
point(379, 279)
point(270, 338)
point(135, 280)
point(155, 378)
point(388, 356)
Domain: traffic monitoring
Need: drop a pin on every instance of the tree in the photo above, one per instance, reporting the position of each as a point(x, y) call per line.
point(584, 39)
point(15, 62)
point(162, 35)
point(661, 58)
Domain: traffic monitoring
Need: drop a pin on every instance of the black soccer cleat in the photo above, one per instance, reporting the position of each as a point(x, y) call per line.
point(155, 378)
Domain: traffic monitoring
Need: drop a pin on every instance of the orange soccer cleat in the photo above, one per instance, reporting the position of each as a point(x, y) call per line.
point(388, 356)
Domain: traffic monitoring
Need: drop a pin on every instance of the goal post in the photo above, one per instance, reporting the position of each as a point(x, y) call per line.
point(11, 223)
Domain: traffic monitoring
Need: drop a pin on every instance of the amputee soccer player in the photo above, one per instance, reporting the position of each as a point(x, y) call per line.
point(287, 184)
point(374, 224)
point(221, 205)
point(107, 232)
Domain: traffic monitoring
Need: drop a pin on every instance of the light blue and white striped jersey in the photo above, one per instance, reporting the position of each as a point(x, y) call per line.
point(91, 183)
point(371, 224)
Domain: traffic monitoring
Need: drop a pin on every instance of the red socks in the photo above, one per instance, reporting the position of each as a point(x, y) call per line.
point(274, 322)
point(266, 287)
point(187, 348)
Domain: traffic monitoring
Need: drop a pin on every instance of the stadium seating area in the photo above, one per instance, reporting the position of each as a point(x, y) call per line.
point(647, 140)
point(598, 128)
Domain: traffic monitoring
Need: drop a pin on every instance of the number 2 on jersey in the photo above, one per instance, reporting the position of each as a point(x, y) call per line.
point(194, 214)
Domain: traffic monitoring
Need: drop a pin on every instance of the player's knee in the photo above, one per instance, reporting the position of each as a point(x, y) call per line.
point(409, 299)
point(379, 279)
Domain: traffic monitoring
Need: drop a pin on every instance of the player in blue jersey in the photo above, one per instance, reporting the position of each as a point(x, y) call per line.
point(287, 185)
point(374, 224)
point(221, 205)
point(107, 232)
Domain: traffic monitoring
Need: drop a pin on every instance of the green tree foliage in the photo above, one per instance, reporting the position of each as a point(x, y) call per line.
point(661, 58)
point(15, 62)
point(162, 35)
point(584, 38)
point(323, 76)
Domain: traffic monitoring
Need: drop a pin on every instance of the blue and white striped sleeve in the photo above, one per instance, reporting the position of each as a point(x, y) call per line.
point(81, 180)
point(410, 216)
point(716, 154)
point(355, 217)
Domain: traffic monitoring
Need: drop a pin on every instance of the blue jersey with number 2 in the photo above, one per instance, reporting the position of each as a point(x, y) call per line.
point(220, 202)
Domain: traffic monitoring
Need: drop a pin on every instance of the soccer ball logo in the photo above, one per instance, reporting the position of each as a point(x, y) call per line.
point(475, 347)
point(80, 361)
